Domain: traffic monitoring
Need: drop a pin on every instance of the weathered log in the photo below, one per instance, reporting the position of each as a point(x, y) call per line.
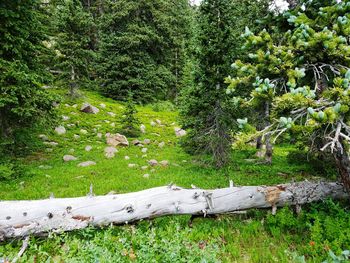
point(37, 217)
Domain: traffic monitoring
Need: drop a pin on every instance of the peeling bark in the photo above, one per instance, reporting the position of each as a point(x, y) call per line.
point(37, 217)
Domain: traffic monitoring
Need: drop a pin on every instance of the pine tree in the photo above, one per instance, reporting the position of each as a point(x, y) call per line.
point(304, 76)
point(23, 101)
point(72, 40)
point(136, 49)
point(206, 111)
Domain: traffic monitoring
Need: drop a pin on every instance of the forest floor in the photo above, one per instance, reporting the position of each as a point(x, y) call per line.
point(253, 237)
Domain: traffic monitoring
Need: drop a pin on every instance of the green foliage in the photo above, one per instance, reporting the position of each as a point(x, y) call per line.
point(129, 120)
point(23, 102)
point(163, 106)
point(141, 48)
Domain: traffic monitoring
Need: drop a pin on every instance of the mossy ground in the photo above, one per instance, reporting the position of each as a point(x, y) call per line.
point(240, 238)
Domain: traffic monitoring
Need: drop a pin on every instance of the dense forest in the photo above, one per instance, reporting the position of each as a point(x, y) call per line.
point(118, 96)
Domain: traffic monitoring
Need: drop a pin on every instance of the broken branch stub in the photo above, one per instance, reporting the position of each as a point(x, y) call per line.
point(37, 217)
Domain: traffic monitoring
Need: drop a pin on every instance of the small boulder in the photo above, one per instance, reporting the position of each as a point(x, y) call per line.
point(68, 158)
point(43, 137)
point(88, 108)
point(153, 162)
point(146, 176)
point(117, 140)
point(164, 163)
point(144, 150)
point(86, 164)
point(88, 148)
point(99, 135)
point(179, 132)
point(60, 130)
point(143, 128)
point(65, 118)
point(82, 131)
point(112, 124)
point(131, 165)
point(110, 152)
point(159, 122)
point(153, 123)
point(76, 136)
point(51, 143)
point(161, 144)
point(144, 168)
point(136, 142)
point(112, 114)
point(146, 141)
point(127, 158)
point(102, 105)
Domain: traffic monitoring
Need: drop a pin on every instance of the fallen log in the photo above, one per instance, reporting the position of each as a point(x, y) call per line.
point(36, 217)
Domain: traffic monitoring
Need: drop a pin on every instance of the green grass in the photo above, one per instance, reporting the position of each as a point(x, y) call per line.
point(244, 238)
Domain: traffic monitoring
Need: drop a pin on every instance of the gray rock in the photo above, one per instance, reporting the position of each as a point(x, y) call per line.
point(179, 132)
point(43, 137)
point(144, 168)
point(161, 144)
point(88, 108)
point(136, 142)
point(65, 118)
point(146, 141)
point(83, 131)
point(153, 162)
point(68, 158)
point(87, 163)
point(76, 136)
point(143, 128)
point(110, 152)
point(131, 165)
point(127, 158)
point(103, 106)
point(146, 176)
point(99, 135)
point(144, 150)
point(159, 122)
point(117, 140)
point(112, 114)
point(60, 130)
point(88, 148)
point(153, 123)
point(164, 163)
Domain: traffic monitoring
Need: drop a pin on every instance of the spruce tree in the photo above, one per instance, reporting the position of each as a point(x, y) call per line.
point(72, 40)
point(137, 43)
point(205, 110)
point(23, 101)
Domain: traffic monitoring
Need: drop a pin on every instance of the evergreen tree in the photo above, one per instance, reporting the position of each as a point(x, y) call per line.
point(73, 40)
point(206, 111)
point(22, 99)
point(136, 49)
point(304, 76)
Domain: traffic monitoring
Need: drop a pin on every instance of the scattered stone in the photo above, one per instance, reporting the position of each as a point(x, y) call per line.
point(144, 168)
point(131, 165)
point(179, 132)
point(158, 122)
point(75, 105)
point(112, 193)
point(140, 145)
point(65, 118)
point(153, 162)
point(103, 106)
point(86, 164)
point(110, 152)
point(67, 105)
point(99, 135)
point(127, 158)
point(146, 176)
point(51, 143)
point(76, 136)
point(43, 137)
point(73, 113)
point(146, 141)
point(107, 134)
point(107, 121)
point(68, 158)
point(136, 142)
point(60, 130)
point(112, 114)
point(144, 150)
point(113, 124)
point(70, 125)
point(71, 150)
point(45, 167)
point(153, 123)
point(88, 108)
point(83, 131)
point(88, 148)
point(143, 128)
point(164, 163)
point(161, 144)
point(55, 104)
point(117, 140)
point(49, 150)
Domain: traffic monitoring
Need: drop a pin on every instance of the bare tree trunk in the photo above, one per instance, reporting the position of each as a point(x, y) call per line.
point(23, 218)
point(269, 147)
point(73, 84)
point(343, 164)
